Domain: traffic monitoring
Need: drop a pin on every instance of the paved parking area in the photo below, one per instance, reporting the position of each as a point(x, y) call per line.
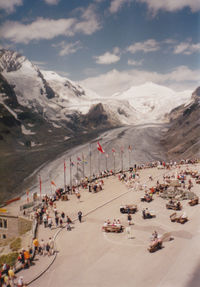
point(89, 257)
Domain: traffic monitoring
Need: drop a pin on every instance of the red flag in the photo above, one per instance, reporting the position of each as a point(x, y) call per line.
point(113, 150)
point(79, 159)
point(27, 194)
point(99, 147)
point(53, 183)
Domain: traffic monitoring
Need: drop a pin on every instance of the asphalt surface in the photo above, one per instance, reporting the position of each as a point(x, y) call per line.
point(89, 257)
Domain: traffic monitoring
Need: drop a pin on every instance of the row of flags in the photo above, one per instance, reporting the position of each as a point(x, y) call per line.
point(83, 161)
point(100, 148)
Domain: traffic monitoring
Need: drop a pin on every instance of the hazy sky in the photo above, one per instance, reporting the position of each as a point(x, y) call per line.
point(108, 45)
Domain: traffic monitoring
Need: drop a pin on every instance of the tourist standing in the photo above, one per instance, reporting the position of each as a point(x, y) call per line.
point(51, 244)
point(80, 216)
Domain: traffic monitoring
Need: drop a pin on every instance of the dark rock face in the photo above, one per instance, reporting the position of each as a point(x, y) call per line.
point(50, 94)
point(182, 140)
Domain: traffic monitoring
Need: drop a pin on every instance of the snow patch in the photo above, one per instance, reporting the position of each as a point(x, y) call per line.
point(26, 131)
point(66, 138)
point(56, 126)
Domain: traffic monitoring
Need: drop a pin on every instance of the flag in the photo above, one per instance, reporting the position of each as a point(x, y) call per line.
point(64, 166)
point(129, 148)
point(113, 150)
point(27, 195)
point(71, 162)
point(99, 147)
point(53, 183)
point(83, 159)
point(79, 159)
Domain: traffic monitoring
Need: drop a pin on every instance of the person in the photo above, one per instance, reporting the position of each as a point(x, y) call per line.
point(144, 213)
point(45, 220)
point(69, 220)
point(155, 235)
point(80, 216)
point(78, 195)
point(114, 222)
point(128, 232)
point(20, 282)
point(12, 276)
point(105, 224)
point(21, 258)
point(68, 227)
point(129, 217)
point(42, 247)
point(108, 221)
point(48, 249)
point(36, 244)
point(7, 281)
point(184, 215)
point(51, 244)
point(50, 222)
point(56, 220)
point(27, 258)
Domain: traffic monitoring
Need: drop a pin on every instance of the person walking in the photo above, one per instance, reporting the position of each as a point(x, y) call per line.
point(80, 216)
point(51, 244)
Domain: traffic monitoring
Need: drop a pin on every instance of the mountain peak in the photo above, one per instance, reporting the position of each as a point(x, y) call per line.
point(10, 61)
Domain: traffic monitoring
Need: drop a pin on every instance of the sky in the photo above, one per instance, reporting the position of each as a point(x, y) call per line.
point(108, 45)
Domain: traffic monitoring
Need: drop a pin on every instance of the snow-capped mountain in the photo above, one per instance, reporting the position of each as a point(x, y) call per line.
point(152, 102)
point(58, 98)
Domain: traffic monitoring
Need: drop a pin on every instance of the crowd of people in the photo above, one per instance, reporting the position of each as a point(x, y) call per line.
point(8, 277)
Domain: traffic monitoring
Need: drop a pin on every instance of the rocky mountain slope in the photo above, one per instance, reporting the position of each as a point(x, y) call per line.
point(182, 140)
point(36, 123)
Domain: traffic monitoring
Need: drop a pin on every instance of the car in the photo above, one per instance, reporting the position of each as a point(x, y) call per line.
point(128, 208)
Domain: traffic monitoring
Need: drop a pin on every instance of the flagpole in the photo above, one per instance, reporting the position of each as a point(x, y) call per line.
point(99, 162)
point(40, 187)
point(129, 157)
point(114, 161)
point(64, 176)
point(122, 163)
point(90, 163)
point(106, 161)
point(70, 170)
point(51, 186)
point(77, 169)
point(83, 165)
